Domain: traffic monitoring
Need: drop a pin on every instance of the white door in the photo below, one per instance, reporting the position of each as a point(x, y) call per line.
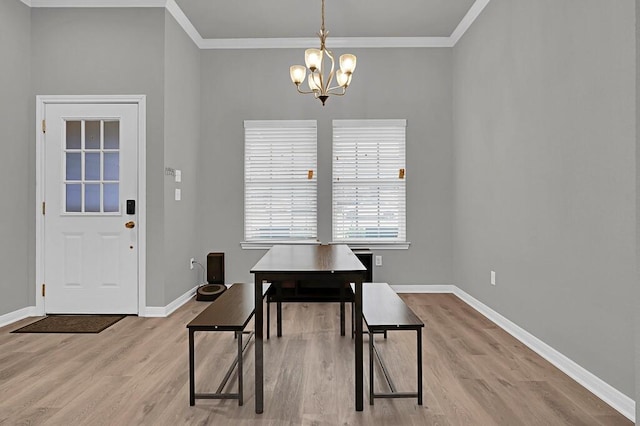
point(90, 183)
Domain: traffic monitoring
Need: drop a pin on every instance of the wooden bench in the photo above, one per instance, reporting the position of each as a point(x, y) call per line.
point(229, 312)
point(383, 310)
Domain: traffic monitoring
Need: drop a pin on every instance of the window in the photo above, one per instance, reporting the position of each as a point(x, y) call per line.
point(280, 181)
point(369, 201)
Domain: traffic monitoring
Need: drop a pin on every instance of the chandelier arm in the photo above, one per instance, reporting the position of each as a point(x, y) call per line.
point(322, 85)
point(333, 65)
point(329, 90)
point(303, 92)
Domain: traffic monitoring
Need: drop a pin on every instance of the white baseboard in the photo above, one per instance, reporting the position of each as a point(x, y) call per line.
point(613, 397)
point(408, 288)
point(150, 311)
point(165, 311)
point(11, 317)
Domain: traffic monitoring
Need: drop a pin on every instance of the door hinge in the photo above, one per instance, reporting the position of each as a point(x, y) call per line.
point(44, 126)
point(43, 289)
point(44, 207)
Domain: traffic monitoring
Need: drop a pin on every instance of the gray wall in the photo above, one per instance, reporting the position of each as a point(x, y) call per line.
point(17, 214)
point(254, 84)
point(544, 136)
point(181, 149)
point(114, 52)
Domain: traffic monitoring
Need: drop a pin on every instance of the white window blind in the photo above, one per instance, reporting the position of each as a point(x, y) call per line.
point(369, 196)
point(280, 201)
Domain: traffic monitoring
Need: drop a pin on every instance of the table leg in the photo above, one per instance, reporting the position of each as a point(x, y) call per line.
point(279, 309)
point(342, 297)
point(192, 370)
point(259, 367)
point(359, 359)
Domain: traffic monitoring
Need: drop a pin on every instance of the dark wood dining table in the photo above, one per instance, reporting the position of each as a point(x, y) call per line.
point(330, 264)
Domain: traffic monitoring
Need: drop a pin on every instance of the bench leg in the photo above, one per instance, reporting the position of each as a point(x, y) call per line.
point(192, 368)
point(371, 374)
point(373, 352)
point(419, 344)
point(268, 317)
point(240, 348)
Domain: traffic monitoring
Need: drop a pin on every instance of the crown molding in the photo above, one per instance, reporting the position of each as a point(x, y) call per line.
point(184, 22)
point(98, 3)
point(277, 43)
point(336, 42)
point(474, 11)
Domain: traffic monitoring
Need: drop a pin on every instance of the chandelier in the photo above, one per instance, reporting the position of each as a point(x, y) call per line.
point(319, 82)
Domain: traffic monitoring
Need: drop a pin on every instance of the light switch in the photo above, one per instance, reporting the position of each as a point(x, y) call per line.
point(178, 175)
point(178, 194)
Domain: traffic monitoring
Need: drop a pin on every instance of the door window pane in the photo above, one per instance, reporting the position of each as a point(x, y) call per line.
point(111, 166)
point(111, 134)
point(111, 197)
point(73, 197)
point(92, 198)
point(74, 135)
point(92, 166)
point(92, 134)
point(74, 166)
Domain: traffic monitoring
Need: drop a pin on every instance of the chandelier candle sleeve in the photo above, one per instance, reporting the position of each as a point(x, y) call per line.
point(320, 77)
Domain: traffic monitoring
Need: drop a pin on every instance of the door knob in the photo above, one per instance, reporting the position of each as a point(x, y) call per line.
point(131, 224)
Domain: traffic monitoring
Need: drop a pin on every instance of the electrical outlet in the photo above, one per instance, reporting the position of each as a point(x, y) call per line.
point(191, 262)
point(493, 277)
point(378, 260)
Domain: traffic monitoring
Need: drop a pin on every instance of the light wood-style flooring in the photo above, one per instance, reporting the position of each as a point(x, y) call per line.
point(136, 373)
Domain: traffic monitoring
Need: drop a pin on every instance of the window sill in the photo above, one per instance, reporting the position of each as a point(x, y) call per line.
point(387, 245)
point(266, 245)
point(380, 245)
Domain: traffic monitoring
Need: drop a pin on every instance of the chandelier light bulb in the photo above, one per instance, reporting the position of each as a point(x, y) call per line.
point(313, 59)
point(314, 82)
point(297, 73)
point(348, 63)
point(342, 78)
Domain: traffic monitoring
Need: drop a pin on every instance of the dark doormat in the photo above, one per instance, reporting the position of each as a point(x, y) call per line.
point(71, 324)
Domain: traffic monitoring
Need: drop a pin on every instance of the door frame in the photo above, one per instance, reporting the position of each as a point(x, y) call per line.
point(141, 101)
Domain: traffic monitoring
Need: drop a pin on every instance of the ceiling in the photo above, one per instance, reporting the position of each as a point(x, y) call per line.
point(229, 19)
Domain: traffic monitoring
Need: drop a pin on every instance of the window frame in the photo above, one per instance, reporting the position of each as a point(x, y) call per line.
point(367, 126)
point(309, 193)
